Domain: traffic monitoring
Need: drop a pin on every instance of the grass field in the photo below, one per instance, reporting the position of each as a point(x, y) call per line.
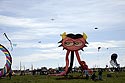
point(116, 78)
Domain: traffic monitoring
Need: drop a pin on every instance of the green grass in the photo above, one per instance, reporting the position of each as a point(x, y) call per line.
point(116, 78)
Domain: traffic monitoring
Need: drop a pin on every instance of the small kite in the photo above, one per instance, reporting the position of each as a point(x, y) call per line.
point(39, 41)
point(96, 28)
point(99, 48)
point(52, 19)
point(8, 40)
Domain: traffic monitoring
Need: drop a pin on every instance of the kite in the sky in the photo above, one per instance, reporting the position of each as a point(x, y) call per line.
point(113, 60)
point(96, 28)
point(7, 67)
point(9, 41)
point(39, 41)
point(52, 19)
point(73, 43)
point(99, 48)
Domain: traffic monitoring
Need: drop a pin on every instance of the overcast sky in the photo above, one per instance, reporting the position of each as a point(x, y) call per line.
point(34, 27)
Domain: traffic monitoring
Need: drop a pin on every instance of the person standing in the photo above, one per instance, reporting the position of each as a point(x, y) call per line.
point(10, 74)
point(86, 74)
point(100, 74)
point(93, 77)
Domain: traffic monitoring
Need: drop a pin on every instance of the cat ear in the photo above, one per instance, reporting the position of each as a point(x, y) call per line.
point(84, 36)
point(63, 35)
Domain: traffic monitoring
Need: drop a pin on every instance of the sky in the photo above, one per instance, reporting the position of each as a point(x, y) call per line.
point(34, 27)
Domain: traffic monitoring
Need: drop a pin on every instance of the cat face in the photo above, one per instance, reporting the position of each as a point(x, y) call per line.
point(73, 44)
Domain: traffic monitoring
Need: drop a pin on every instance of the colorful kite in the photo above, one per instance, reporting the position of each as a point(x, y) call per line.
point(73, 43)
point(8, 40)
point(8, 64)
